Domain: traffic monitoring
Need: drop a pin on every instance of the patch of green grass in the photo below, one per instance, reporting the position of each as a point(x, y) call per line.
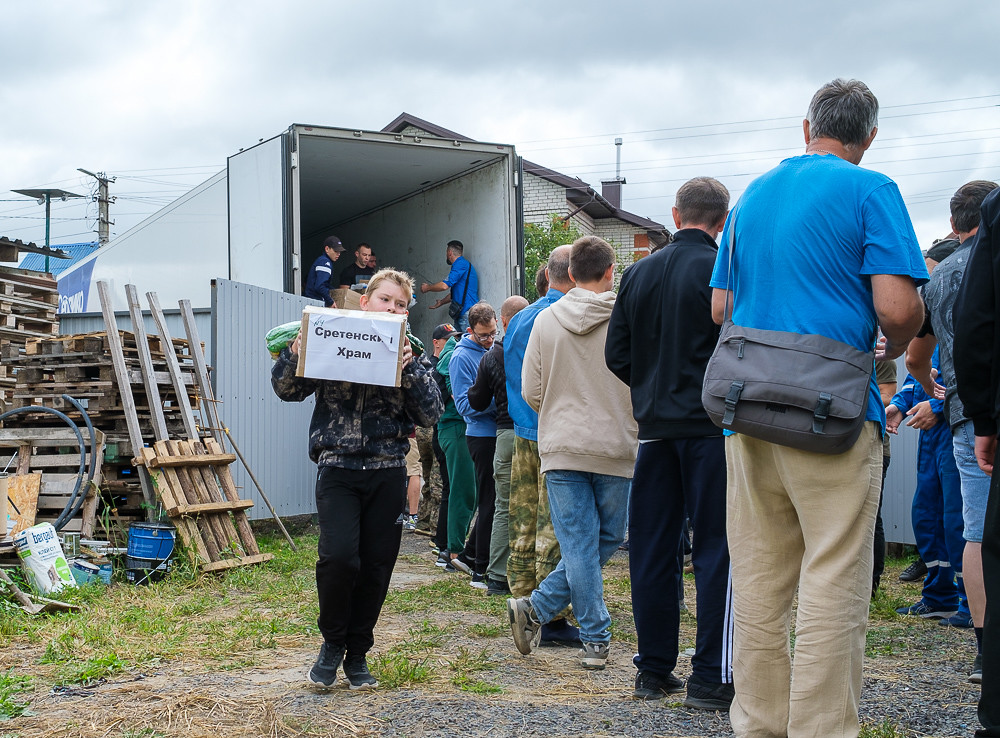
point(884, 729)
point(422, 638)
point(142, 733)
point(448, 594)
point(886, 640)
point(394, 670)
point(488, 630)
point(884, 605)
point(465, 664)
point(11, 686)
point(92, 670)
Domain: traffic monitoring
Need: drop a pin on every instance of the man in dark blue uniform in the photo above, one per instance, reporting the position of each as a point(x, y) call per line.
point(318, 283)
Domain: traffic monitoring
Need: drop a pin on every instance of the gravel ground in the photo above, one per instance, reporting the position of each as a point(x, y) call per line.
point(915, 682)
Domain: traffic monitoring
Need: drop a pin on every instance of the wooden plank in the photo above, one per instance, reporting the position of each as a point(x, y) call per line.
point(210, 417)
point(206, 460)
point(22, 490)
point(41, 436)
point(232, 494)
point(173, 367)
point(125, 390)
point(146, 364)
point(208, 507)
point(242, 561)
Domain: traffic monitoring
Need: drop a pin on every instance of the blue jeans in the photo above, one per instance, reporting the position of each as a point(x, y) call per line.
point(588, 514)
point(975, 482)
point(462, 324)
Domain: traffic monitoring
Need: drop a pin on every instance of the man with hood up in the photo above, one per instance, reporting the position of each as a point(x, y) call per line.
point(587, 441)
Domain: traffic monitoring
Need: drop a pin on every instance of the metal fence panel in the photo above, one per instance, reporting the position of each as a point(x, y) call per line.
point(273, 435)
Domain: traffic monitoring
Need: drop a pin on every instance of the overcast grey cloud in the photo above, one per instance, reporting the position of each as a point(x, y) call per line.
point(160, 93)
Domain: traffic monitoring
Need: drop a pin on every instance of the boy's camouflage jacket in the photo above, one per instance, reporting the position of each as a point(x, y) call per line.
point(361, 426)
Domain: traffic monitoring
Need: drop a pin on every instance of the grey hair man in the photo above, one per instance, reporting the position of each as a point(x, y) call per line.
point(821, 246)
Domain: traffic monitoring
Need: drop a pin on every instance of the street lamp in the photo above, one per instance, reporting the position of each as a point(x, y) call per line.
point(45, 196)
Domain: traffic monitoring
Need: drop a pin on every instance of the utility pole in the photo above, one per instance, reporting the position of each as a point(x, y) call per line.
point(103, 205)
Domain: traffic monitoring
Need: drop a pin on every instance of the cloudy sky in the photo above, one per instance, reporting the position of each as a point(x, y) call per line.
point(158, 94)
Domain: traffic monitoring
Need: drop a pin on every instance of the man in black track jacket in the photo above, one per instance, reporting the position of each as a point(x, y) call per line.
point(660, 339)
point(977, 368)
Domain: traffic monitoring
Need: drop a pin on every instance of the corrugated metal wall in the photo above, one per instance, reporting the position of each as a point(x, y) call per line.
point(901, 481)
point(273, 435)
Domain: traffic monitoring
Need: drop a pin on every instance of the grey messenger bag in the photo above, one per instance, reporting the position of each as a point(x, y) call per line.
point(808, 392)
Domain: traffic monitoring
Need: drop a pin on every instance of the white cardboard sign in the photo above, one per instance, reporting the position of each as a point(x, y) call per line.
point(352, 346)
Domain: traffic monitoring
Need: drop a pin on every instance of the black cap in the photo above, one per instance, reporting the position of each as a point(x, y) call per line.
point(942, 249)
point(445, 330)
point(332, 242)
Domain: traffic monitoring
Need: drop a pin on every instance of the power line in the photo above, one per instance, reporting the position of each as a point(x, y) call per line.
point(747, 122)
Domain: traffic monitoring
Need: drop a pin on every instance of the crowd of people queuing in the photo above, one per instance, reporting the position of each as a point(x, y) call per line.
point(561, 423)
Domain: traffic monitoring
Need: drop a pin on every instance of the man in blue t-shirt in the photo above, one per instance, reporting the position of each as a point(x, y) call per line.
point(462, 284)
point(821, 247)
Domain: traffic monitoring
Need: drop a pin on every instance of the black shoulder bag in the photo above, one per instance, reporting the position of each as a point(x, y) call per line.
point(455, 307)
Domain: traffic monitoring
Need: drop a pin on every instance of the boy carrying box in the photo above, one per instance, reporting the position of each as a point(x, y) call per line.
point(358, 437)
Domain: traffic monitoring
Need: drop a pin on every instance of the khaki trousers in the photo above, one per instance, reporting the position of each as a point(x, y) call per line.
point(800, 520)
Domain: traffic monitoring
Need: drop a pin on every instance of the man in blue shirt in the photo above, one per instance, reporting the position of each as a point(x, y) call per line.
point(824, 247)
point(463, 284)
point(318, 282)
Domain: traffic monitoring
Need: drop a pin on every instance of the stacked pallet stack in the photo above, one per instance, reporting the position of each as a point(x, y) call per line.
point(28, 304)
point(81, 366)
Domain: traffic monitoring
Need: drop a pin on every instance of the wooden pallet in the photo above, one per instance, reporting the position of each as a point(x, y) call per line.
point(196, 488)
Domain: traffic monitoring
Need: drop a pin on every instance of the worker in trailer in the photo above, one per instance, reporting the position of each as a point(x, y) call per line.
point(320, 280)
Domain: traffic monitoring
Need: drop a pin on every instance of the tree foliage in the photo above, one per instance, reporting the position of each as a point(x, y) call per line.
point(539, 240)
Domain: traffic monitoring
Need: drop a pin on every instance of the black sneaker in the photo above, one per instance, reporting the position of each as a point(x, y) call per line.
point(443, 558)
point(324, 671)
point(462, 564)
point(914, 572)
point(479, 581)
point(560, 633)
point(650, 686)
point(709, 696)
point(356, 670)
point(497, 587)
point(976, 677)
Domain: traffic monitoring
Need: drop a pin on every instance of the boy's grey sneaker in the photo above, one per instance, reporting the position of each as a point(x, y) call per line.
point(594, 655)
point(356, 670)
point(976, 677)
point(709, 696)
point(524, 625)
point(924, 610)
point(410, 523)
point(650, 686)
point(324, 671)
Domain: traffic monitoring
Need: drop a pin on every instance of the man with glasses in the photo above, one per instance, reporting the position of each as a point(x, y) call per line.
point(480, 434)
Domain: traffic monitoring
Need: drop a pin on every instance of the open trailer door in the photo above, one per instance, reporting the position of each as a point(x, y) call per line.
point(260, 227)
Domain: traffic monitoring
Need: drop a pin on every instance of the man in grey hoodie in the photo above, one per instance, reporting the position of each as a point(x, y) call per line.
point(587, 441)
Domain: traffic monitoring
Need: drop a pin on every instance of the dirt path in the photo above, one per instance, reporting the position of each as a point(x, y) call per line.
point(915, 679)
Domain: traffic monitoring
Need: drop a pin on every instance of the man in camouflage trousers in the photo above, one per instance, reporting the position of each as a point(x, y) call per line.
point(534, 550)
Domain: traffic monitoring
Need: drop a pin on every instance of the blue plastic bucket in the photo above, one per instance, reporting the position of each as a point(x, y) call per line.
point(150, 548)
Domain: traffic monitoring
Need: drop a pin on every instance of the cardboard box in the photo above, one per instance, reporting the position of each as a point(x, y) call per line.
point(346, 299)
point(352, 346)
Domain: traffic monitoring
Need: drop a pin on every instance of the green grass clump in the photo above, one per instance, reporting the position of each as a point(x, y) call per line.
point(468, 663)
point(12, 705)
point(884, 729)
point(394, 670)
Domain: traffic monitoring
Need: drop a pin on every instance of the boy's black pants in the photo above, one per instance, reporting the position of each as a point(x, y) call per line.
point(359, 538)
